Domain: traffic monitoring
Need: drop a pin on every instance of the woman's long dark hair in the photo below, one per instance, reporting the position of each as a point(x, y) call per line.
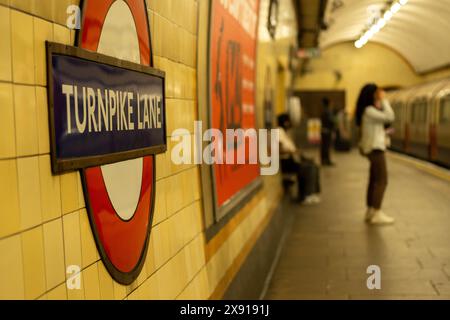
point(366, 98)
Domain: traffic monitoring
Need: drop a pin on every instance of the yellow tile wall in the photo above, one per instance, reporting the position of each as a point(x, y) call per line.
point(44, 225)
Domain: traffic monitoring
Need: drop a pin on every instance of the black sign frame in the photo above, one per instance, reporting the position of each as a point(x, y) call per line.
point(61, 166)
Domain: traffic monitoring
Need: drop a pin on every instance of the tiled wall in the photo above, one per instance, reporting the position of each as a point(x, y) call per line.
point(44, 225)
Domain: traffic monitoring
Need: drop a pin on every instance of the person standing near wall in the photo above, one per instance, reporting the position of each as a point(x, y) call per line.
point(372, 114)
point(327, 120)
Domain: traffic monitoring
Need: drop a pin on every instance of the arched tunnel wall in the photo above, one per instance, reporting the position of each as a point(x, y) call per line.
point(373, 63)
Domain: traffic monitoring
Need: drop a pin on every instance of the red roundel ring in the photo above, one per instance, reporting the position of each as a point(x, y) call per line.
point(122, 244)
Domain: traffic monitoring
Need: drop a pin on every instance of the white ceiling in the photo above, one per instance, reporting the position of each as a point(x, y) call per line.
point(420, 31)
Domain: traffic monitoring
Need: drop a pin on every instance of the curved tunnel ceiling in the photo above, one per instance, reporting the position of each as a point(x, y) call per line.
point(419, 31)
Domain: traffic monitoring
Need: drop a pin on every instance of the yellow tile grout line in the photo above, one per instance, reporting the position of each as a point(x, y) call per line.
point(423, 166)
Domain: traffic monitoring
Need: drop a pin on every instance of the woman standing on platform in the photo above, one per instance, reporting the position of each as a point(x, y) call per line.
point(372, 114)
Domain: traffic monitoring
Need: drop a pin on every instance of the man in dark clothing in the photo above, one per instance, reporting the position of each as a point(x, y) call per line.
point(291, 160)
point(327, 120)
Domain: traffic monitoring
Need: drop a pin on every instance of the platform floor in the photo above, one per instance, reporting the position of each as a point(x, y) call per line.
point(328, 247)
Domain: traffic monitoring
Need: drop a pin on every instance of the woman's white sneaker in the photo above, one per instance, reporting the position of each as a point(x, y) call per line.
point(379, 218)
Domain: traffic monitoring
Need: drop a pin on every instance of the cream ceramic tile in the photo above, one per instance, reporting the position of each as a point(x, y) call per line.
point(197, 253)
point(150, 259)
point(193, 21)
point(159, 213)
point(81, 202)
point(8, 134)
point(175, 168)
point(72, 239)
point(162, 165)
point(141, 277)
point(11, 269)
point(61, 34)
point(192, 81)
point(33, 263)
point(120, 291)
point(59, 293)
point(174, 196)
point(175, 46)
point(205, 290)
point(26, 5)
point(91, 283)
point(5, 45)
point(106, 284)
point(69, 192)
point(168, 67)
point(22, 47)
point(178, 228)
point(43, 30)
point(165, 8)
point(151, 288)
point(9, 198)
point(73, 37)
point(161, 245)
point(44, 297)
point(54, 253)
point(178, 13)
point(25, 120)
point(172, 277)
point(188, 186)
point(179, 84)
point(50, 190)
point(157, 35)
point(135, 295)
point(198, 217)
point(88, 249)
point(60, 10)
point(42, 120)
point(197, 184)
point(29, 192)
point(172, 116)
point(76, 294)
point(44, 9)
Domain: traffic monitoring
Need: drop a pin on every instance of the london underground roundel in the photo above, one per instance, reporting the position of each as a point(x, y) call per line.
point(119, 196)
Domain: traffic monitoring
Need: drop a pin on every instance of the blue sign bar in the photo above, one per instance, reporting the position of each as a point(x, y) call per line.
point(102, 109)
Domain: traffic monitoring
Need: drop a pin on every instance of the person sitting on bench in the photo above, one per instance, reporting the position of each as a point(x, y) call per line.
point(291, 160)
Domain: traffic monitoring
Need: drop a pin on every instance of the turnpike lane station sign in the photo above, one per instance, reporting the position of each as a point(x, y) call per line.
point(102, 109)
point(107, 116)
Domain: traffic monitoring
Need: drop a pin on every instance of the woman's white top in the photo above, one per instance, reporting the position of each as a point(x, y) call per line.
point(373, 134)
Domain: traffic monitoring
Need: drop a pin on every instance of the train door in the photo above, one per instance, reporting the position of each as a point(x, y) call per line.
point(398, 125)
point(443, 126)
point(419, 127)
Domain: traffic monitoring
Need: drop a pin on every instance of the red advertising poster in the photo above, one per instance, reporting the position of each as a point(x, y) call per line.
point(232, 86)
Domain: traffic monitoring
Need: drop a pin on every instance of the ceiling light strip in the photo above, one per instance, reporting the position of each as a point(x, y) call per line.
point(380, 23)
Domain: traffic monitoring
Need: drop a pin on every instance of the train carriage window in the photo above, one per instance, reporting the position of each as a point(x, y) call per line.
point(397, 107)
point(419, 111)
point(445, 110)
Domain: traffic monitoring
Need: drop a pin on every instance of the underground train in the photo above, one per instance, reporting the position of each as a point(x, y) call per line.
point(422, 124)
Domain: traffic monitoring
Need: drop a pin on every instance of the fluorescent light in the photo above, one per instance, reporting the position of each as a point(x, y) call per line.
point(375, 28)
point(395, 7)
point(387, 15)
point(380, 23)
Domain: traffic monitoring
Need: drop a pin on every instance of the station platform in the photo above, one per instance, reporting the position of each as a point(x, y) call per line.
point(327, 248)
